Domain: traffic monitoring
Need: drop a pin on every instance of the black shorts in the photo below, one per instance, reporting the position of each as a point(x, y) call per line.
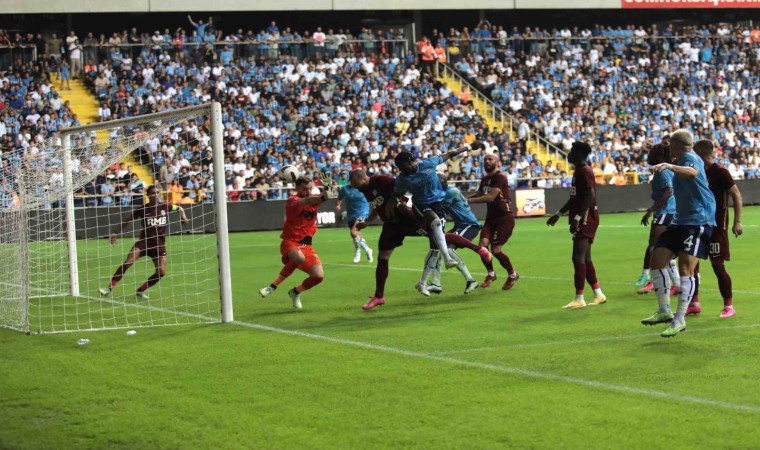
point(719, 249)
point(352, 222)
point(151, 248)
point(468, 232)
point(662, 219)
point(690, 239)
point(394, 232)
point(437, 208)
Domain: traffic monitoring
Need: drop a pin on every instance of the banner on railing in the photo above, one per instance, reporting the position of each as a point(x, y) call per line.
point(688, 4)
point(530, 202)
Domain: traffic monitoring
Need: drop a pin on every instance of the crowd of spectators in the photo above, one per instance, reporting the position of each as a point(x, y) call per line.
point(622, 88)
point(327, 103)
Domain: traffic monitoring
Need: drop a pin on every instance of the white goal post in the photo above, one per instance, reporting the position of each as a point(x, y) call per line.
point(64, 196)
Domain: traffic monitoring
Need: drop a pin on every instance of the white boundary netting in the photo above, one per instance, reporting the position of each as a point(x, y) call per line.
point(52, 272)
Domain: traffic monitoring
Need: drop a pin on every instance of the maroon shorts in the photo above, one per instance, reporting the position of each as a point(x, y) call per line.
point(498, 230)
point(151, 248)
point(719, 250)
point(395, 231)
point(587, 231)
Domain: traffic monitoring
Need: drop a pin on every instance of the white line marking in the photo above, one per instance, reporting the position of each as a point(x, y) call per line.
point(592, 340)
point(474, 364)
point(511, 370)
point(528, 277)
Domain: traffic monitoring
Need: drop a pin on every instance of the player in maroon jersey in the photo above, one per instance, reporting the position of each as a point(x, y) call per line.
point(152, 241)
point(722, 186)
point(584, 220)
point(500, 220)
point(398, 223)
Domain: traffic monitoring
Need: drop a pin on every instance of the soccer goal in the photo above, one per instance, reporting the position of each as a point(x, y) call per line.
point(57, 252)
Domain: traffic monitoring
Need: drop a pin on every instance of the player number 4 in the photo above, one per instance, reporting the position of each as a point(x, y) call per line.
point(688, 243)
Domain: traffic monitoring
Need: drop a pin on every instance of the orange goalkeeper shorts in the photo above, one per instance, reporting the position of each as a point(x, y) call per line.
point(311, 258)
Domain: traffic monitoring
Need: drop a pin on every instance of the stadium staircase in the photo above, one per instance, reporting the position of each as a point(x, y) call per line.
point(85, 106)
point(498, 119)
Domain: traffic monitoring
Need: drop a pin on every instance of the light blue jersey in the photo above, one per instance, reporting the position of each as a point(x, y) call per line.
point(424, 184)
point(357, 206)
point(457, 207)
point(695, 203)
point(661, 181)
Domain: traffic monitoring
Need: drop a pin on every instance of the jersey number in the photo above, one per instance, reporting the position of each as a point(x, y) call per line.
point(572, 191)
point(715, 248)
point(688, 244)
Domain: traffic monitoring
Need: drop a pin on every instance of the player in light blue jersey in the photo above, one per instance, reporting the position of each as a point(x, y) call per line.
point(688, 235)
point(466, 228)
point(357, 210)
point(421, 180)
point(663, 208)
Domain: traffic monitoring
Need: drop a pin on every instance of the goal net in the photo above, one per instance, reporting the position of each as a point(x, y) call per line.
point(64, 198)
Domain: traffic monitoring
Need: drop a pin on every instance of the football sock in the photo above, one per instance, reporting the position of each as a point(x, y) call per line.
point(684, 298)
point(579, 277)
point(461, 265)
point(724, 283)
point(591, 275)
point(437, 273)
point(673, 272)
point(647, 257)
point(381, 274)
point(118, 275)
point(309, 283)
point(356, 240)
point(364, 246)
point(440, 238)
point(461, 242)
point(504, 261)
point(286, 271)
point(428, 268)
point(153, 279)
point(661, 281)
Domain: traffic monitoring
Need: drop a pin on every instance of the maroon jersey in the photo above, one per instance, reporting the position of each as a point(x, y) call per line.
point(583, 178)
point(155, 220)
point(720, 181)
point(379, 191)
point(502, 205)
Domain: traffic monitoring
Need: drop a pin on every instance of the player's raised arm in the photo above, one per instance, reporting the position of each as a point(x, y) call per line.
point(736, 197)
point(481, 197)
point(120, 227)
point(182, 215)
point(477, 145)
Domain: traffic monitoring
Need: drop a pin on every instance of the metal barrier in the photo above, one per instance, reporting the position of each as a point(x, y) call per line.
point(224, 51)
point(15, 55)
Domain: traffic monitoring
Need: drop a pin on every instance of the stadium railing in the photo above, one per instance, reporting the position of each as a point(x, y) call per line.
point(499, 115)
point(308, 49)
point(11, 55)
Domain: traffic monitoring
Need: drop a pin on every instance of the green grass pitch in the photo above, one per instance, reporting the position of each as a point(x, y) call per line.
point(492, 369)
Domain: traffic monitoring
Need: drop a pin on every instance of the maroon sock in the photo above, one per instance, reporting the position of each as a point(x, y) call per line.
point(489, 265)
point(647, 257)
point(151, 281)
point(461, 242)
point(591, 275)
point(117, 276)
point(308, 284)
point(381, 274)
point(724, 284)
point(504, 261)
point(579, 277)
